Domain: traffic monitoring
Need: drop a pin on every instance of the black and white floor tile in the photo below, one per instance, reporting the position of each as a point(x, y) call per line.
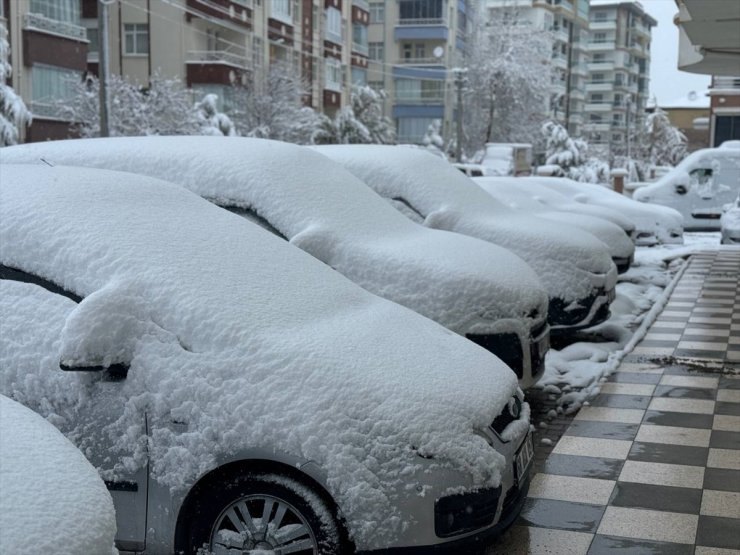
point(652, 465)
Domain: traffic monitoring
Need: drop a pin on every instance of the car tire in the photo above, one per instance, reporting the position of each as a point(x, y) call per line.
point(299, 520)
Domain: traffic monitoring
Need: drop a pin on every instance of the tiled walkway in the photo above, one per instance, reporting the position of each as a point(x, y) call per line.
point(653, 464)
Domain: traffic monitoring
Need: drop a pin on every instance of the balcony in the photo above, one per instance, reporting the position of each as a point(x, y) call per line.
point(560, 34)
point(421, 61)
point(579, 69)
point(608, 25)
point(420, 99)
point(37, 22)
point(599, 46)
point(601, 66)
point(601, 106)
point(49, 110)
point(640, 28)
point(432, 28)
point(423, 21)
point(577, 94)
point(362, 4)
point(233, 57)
point(597, 126)
point(726, 83)
point(599, 86)
point(360, 48)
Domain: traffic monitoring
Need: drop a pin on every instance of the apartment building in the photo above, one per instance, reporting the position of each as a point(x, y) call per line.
point(724, 123)
point(208, 44)
point(413, 47)
point(619, 72)
point(567, 21)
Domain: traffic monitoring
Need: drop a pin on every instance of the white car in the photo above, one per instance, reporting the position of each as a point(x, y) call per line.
point(574, 266)
point(471, 287)
point(509, 191)
point(236, 393)
point(699, 186)
point(730, 224)
point(655, 224)
point(52, 499)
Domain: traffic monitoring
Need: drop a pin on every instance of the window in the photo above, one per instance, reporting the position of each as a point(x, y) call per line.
point(599, 57)
point(599, 37)
point(422, 9)
point(333, 79)
point(376, 50)
point(377, 12)
point(595, 118)
point(412, 130)
point(281, 10)
point(376, 85)
point(359, 38)
point(226, 95)
point(136, 36)
point(597, 98)
point(50, 87)
point(359, 76)
point(419, 51)
point(334, 25)
point(58, 10)
point(599, 16)
point(418, 91)
point(616, 137)
point(597, 78)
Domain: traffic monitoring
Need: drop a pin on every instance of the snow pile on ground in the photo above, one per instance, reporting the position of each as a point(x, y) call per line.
point(467, 285)
point(51, 499)
point(564, 257)
point(575, 372)
point(257, 345)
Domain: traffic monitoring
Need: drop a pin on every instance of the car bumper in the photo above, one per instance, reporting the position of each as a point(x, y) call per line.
point(590, 312)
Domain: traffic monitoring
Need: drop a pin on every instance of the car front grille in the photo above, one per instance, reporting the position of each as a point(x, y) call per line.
point(505, 346)
point(456, 514)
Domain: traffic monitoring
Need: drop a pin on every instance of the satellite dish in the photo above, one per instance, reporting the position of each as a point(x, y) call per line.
point(438, 52)
point(693, 95)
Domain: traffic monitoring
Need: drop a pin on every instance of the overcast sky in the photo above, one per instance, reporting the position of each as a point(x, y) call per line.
point(667, 83)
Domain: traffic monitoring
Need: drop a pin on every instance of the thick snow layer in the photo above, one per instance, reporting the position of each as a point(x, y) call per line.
point(243, 338)
point(51, 499)
point(576, 372)
point(666, 224)
point(730, 223)
point(565, 258)
point(509, 192)
point(467, 285)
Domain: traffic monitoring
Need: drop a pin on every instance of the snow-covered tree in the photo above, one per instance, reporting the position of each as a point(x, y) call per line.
point(362, 122)
point(433, 138)
point(212, 121)
point(571, 156)
point(165, 108)
point(667, 144)
point(14, 115)
point(509, 77)
point(272, 106)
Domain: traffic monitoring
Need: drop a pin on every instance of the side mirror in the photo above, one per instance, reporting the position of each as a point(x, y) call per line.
point(681, 189)
point(101, 334)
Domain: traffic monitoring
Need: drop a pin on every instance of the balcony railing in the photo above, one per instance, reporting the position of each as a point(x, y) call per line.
point(362, 4)
point(360, 48)
point(39, 22)
point(421, 61)
point(48, 110)
point(423, 21)
point(233, 56)
point(726, 83)
point(431, 98)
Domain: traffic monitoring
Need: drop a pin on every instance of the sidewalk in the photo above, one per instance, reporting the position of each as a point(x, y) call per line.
point(653, 464)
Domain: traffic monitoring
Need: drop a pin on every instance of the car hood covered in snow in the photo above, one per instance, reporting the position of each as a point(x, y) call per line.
point(665, 224)
point(246, 339)
point(466, 285)
point(51, 497)
point(565, 257)
point(508, 191)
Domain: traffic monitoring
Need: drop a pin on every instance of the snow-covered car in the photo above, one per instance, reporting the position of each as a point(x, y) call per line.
point(471, 287)
point(233, 391)
point(699, 186)
point(655, 224)
point(508, 191)
point(574, 266)
point(730, 223)
point(51, 498)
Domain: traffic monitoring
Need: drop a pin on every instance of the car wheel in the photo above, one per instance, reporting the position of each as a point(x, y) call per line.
point(263, 512)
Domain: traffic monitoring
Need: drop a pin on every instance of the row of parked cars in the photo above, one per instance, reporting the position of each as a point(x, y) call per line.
point(267, 346)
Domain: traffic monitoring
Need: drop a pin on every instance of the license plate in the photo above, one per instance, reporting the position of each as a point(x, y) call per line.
point(524, 458)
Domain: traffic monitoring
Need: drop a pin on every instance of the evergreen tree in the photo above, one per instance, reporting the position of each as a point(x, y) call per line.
point(13, 112)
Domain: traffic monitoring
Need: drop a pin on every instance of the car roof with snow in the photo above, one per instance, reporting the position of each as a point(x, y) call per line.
point(325, 210)
point(247, 336)
point(51, 497)
point(447, 199)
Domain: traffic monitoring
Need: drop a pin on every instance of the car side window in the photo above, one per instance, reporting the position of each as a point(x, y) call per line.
point(14, 274)
point(405, 208)
point(701, 175)
point(252, 216)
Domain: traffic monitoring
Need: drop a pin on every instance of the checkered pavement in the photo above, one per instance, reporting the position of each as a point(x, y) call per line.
point(652, 465)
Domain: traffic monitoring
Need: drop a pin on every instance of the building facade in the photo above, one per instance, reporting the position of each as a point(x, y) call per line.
point(619, 72)
point(208, 44)
point(724, 119)
point(413, 47)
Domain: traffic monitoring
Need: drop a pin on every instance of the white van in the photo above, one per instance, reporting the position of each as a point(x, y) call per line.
point(699, 186)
